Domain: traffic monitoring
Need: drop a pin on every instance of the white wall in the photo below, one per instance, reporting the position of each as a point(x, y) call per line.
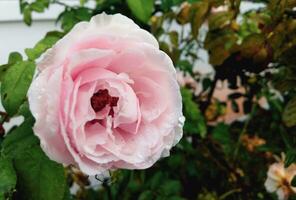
point(16, 36)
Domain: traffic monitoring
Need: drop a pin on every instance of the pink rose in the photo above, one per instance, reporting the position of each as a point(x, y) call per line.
point(106, 97)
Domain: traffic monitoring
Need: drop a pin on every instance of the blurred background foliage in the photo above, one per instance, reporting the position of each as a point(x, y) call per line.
point(240, 115)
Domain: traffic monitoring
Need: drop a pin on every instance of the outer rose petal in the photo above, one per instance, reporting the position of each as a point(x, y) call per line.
point(110, 53)
point(102, 24)
point(44, 104)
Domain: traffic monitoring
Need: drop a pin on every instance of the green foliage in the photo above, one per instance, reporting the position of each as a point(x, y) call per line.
point(27, 7)
point(221, 134)
point(219, 45)
point(293, 182)
point(15, 84)
point(14, 57)
point(220, 19)
point(142, 9)
point(290, 157)
point(19, 139)
point(289, 114)
point(48, 41)
point(168, 4)
point(195, 122)
point(7, 176)
point(198, 13)
point(71, 16)
point(38, 176)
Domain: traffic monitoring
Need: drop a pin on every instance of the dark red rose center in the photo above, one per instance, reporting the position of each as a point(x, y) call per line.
point(101, 99)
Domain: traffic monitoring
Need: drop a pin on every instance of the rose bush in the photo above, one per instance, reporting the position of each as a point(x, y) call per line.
point(106, 97)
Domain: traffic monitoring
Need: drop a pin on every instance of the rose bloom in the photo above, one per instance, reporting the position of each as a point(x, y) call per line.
point(279, 180)
point(106, 97)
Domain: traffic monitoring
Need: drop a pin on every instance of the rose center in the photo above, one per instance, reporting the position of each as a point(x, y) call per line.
point(101, 99)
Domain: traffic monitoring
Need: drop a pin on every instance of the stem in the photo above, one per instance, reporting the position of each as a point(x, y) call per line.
point(211, 92)
point(60, 3)
point(235, 4)
point(223, 196)
point(3, 117)
point(213, 158)
point(244, 130)
point(106, 186)
point(285, 139)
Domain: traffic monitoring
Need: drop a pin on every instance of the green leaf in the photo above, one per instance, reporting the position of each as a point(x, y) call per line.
point(289, 114)
point(24, 110)
point(38, 177)
point(168, 4)
point(284, 84)
point(23, 4)
point(193, 1)
point(142, 9)
point(156, 180)
point(67, 19)
point(146, 195)
point(83, 14)
point(14, 57)
point(195, 122)
point(220, 19)
point(19, 139)
point(176, 198)
point(184, 15)
point(175, 161)
point(290, 157)
point(15, 85)
point(7, 176)
point(67, 194)
point(220, 44)
point(174, 38)
point(171, 187)
point(293, 182)
point(252, 44)
point(198, 11)
point(28, 15)
point(72, 16)
point(47, 42)
point(221, 134)
point(82, 2)
point(38, 6)
point(185, 66)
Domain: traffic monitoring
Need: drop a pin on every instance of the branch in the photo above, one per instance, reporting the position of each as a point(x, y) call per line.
point(210, 95)
point(60, 3)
